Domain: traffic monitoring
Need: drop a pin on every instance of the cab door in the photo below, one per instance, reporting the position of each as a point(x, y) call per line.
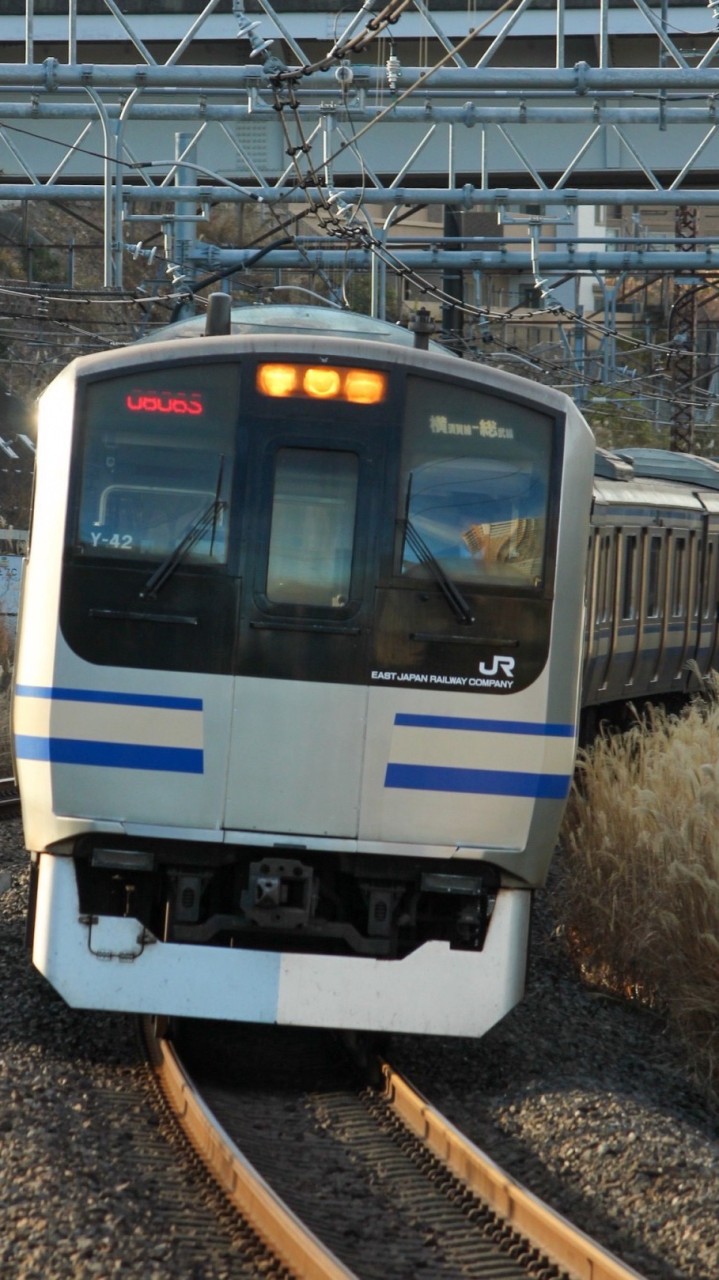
point(317, 477)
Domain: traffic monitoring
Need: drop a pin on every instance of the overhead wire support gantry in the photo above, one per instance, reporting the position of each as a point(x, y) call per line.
point(340, 116)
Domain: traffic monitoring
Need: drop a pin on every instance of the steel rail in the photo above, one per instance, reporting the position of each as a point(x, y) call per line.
point(524, 1212)
point(274, 1222)
point(9, 798)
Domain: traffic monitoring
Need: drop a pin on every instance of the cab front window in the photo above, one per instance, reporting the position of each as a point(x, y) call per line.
point(474, 486)
point(158, 455)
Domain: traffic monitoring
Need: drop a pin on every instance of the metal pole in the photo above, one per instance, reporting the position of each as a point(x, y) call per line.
point(29, 31)
point(72, 32)
point(682, 337)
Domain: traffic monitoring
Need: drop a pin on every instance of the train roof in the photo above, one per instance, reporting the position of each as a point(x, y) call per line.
point(655, 478)
point(657, 464)
point(612, 466)
point(663, 464)
point(282, 328)
point(286, 318)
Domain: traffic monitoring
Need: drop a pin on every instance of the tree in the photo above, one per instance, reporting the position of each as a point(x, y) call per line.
point(620, 419)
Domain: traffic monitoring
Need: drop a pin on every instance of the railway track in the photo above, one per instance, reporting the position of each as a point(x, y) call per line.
point(9, 798)
point(355, 1180)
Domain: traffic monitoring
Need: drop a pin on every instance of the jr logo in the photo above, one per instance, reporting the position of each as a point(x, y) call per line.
point(505, 665)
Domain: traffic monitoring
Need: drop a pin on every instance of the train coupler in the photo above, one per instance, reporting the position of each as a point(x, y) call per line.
point(281, 893)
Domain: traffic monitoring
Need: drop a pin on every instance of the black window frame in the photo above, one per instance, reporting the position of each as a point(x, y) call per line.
point(546, 588)
point(72, 554)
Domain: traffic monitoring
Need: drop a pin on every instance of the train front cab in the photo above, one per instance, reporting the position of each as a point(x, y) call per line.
point(306, 760)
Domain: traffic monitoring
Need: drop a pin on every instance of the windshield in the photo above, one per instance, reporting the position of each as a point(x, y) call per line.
point(158, 452)
point(474, 485)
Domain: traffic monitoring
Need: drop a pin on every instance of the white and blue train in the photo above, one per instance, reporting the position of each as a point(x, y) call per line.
point(297, 681)
point(652, 593)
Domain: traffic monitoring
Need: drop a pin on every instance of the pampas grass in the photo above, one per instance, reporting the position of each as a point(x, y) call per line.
point(638, 885)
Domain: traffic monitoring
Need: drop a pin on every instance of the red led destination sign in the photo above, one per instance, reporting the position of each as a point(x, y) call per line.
point(164, 402)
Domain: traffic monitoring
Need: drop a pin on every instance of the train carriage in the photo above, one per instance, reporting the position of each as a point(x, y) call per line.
point(652, 578)
point(297, 680)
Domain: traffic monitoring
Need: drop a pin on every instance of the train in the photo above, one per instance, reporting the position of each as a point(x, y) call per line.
point(296, 685)
point(311, 619)
point(652, 588)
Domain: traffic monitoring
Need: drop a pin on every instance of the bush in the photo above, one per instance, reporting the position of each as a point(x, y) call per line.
point(638, 895)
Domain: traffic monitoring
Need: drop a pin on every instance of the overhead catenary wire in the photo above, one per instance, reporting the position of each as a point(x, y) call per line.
point(347, 228)
point(332, 225)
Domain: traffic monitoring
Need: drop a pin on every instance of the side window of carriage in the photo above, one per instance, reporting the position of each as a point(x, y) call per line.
point(654, 601)
point(312, 528)
point(680, 584)
point(629, 583)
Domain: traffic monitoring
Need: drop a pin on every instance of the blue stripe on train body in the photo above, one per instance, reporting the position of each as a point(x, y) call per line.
point(480, 781)
point(113, 752)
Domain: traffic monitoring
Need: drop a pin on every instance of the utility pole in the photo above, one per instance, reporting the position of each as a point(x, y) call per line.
point(682, 337)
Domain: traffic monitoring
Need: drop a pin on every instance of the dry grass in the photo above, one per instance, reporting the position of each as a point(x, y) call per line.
point(6, 663)
point(638, 896)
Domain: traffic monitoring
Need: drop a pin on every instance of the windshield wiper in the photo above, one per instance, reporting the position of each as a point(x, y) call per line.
point(457, 602)
point(207, 519)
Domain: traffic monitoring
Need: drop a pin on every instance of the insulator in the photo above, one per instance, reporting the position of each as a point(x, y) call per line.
point(139, 251)
point(713, 6)
point(394, 68)
point(258, 46)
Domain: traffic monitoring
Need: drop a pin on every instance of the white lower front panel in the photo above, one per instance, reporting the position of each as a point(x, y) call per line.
point(433, 991)
point(295, 757)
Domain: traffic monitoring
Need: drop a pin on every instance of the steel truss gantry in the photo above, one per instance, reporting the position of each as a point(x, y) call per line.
point(352, 131)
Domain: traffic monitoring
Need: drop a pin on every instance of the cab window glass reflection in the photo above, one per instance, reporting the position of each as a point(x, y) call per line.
point(474, 486)
point(312, 530)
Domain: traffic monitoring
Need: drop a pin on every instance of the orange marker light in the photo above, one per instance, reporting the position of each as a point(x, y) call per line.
point(277, 379)
point(322, 383)
point(365, 386)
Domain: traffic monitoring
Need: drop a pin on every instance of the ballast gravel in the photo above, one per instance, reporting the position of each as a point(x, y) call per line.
point(584, 1100)
point(95, 1184)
